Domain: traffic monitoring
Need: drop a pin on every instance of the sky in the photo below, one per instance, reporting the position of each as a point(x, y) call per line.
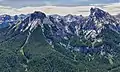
point(24, 3)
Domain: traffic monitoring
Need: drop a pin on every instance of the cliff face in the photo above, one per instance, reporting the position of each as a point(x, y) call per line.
point(39, 43)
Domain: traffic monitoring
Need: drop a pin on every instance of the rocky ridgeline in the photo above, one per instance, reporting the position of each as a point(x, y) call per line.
point(76, 33)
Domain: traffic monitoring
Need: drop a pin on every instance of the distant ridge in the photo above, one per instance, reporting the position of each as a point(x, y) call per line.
point(58, 29)
point(37, 42)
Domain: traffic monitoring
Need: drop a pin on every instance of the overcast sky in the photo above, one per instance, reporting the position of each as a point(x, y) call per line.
point(24, 3)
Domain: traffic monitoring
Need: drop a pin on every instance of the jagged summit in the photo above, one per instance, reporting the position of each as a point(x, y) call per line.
point(97, 12)
point(42, 43)
point(7, 20)
point(37, 15)
point(58, 29)
point(96, 34)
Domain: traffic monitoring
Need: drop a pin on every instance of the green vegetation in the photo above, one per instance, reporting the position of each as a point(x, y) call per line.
point(39, 56)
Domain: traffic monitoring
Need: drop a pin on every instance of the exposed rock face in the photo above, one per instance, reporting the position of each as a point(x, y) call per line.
point(70, 31)
point(96, 34)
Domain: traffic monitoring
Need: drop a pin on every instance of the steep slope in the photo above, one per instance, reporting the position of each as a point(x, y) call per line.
point(77, 32)
point(26, 50)
point(40, 43)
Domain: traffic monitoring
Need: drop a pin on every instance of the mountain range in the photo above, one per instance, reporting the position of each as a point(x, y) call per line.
point(38, 42)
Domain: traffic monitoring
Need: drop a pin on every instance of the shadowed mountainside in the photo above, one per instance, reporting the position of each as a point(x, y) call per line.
point(54, 43)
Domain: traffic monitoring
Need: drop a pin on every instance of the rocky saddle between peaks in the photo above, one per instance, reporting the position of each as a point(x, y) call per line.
point(79, 41)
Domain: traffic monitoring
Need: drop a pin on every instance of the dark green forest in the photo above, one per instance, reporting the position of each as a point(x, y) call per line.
point(39, 56)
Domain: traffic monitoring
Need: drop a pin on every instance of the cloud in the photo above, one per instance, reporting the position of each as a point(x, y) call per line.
point(24, 3)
